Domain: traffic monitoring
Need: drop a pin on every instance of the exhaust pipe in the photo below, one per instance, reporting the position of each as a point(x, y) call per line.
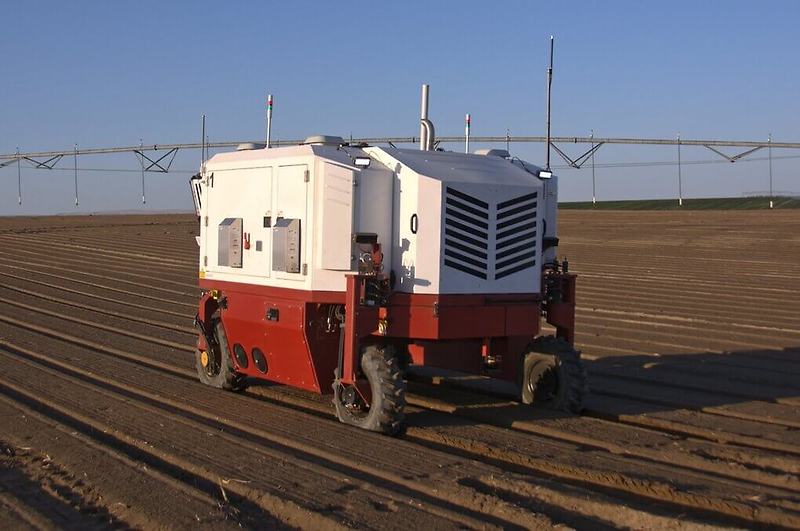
point(423, 116)
point(430, 134)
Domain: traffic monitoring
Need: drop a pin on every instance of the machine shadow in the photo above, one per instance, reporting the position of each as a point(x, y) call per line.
point(637, 385)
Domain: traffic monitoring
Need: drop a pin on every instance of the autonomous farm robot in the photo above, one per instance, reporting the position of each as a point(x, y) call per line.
point(332, 267)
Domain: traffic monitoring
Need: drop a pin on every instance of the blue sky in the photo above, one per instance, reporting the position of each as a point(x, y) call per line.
point(110, 73)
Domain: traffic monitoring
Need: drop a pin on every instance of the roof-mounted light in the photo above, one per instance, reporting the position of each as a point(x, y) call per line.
point(362, 162)
point(544, 174)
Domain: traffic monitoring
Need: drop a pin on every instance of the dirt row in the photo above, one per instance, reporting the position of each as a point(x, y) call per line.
point(692, 421)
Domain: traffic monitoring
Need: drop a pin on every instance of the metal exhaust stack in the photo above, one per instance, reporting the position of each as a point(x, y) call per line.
point(430, 134)
point(424, 123)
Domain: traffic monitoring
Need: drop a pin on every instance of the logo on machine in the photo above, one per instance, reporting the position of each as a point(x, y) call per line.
point(470, 226)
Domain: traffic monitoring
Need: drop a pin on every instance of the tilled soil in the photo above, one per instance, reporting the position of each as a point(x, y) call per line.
point(688, 322)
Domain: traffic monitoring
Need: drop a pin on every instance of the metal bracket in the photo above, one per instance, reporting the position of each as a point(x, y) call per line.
point(160, 167)
point(48, 164)
point(580, 161)
point(733, 158)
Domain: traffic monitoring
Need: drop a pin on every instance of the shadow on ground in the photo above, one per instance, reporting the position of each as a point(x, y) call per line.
point(755, 381)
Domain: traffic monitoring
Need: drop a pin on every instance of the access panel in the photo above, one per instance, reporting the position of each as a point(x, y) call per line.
point(229, 249)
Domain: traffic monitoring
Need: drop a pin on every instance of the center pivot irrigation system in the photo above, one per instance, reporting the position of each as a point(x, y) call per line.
point(158, 158)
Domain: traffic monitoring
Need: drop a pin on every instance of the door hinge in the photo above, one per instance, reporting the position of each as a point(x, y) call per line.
point(306, 176)
point(206, 220)
point(205, 261)
point(305, 269)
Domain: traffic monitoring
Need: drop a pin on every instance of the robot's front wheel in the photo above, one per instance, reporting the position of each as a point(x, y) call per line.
point(385, 412)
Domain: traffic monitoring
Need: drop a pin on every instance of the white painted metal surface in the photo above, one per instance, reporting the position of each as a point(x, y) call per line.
point(551, 216)
point(448, 222)
point(474, 228)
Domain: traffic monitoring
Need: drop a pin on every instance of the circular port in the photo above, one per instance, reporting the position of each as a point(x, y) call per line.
point(260, 360)
point(241, 355)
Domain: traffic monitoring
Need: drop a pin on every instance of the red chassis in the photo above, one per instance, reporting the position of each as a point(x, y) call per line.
point(299, 332)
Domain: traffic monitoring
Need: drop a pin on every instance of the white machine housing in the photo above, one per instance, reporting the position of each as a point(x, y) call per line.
point(448, 223)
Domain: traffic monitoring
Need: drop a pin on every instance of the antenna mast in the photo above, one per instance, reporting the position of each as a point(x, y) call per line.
point(203, 143)
point(467, 123)
point(549, 89)
point(269, 119)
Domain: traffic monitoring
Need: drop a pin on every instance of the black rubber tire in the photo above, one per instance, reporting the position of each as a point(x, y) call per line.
point(553, 376)
point(382, 369)
point(226, 378)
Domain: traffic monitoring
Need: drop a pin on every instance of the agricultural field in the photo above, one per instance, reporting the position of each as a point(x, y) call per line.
point(711, 203)
point(689, 323)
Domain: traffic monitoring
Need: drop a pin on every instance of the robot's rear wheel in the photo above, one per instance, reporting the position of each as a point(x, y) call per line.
point(214, 366)
point(553, 376)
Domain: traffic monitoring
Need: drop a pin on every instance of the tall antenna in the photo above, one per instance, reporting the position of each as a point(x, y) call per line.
point(467, 122)
point(549, 89)
point(269, 119)
point(203, 142)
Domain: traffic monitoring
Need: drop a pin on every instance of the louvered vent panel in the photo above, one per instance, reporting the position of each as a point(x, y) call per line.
point(515, 241)
point(466, 233)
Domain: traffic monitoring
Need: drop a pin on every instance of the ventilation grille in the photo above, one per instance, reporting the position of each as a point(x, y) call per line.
point(466, 233)
point(467, 230)
point(515, 241)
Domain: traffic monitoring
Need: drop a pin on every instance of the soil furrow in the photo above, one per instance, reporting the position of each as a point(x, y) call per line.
point(687, 321)
point(134, 302)
point(119, 489)
point(296, 459)
point(142, 294)
point(141, 450)
point(538, 469)
point(128, 356)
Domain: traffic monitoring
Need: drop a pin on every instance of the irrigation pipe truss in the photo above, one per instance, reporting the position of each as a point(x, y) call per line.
point(159, 157)
point(755, 145)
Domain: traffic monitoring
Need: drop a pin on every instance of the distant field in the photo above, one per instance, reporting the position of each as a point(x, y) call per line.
point(716, 203)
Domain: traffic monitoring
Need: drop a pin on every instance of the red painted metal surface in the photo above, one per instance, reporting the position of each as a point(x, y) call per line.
point(293, 329)
point(459, 316)
point(361, 321)
point(562, 314)
point(298, 349)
